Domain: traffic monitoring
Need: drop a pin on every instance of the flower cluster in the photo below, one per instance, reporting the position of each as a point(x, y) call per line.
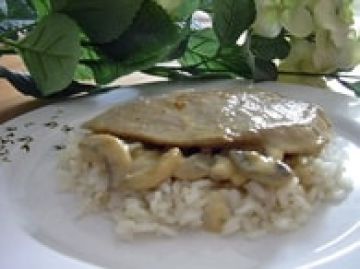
point(320, 32)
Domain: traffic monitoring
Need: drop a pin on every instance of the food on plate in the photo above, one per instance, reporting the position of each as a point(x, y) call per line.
point(225, 160)
point(219, 118)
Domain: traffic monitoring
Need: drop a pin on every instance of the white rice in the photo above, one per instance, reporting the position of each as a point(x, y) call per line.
point(178, 205)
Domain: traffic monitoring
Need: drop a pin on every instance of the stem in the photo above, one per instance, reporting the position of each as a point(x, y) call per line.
point(176, 74)
point(9, 42)
point(7, 51)
point(87, 43)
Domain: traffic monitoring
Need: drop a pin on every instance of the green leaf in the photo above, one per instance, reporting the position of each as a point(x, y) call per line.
point(238, 60)
point(19, 9)
point(185, 10)
point(264, 70)
point(179, 10)
point(205, 56)
point(83, 72)
point(206, 5)
point(51, 52)
point(105, 70)
point(142, 46)
point(203, 45)
point(270, 48)
point(232, 18)
point(101, 20)
point(42, 7)
point(152, 32)
point(178, 50)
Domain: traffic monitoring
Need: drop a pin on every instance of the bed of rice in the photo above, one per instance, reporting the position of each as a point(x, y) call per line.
point(178, 205)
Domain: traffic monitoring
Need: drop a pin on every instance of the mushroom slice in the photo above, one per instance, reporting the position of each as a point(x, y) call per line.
point(157, 174)
point(108, 151)
point(195, 167)
point(216, 212)
point(225, 170)
point(261, 168)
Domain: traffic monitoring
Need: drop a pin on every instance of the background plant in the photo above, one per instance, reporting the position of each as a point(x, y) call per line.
point(63, 41)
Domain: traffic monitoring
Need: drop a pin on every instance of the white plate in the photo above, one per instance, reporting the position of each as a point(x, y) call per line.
point(33, 210)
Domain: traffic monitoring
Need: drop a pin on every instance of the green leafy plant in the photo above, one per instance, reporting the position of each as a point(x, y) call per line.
point(65, 42)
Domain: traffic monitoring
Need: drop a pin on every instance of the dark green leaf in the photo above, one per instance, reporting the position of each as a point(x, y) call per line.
point(264, 70)
point(185, 9)
point(152, 32)
point(205, 56)
point(179, 10)
point(203, 45)
point(270, 48)
point(232, 18)
point(20, 10)
point(179, 46)
point(178, 50)
point(51, 52)
point(238, 60)
point(42, 7)
point(106, 70)
point(101, 20)
point(83, 72)
point(142, 46)
point(206, 5)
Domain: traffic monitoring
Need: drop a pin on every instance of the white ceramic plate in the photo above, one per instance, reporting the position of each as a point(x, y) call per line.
point(33, 210)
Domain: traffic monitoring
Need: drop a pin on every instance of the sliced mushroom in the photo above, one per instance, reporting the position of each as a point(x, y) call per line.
point(195, 167)
point(144, 160)
point(109, 150)
point(216, 212)
point(222, 169)
point(136, 149)
point(303, 169)
point(157, 174)
point(263, 169)
point(225, 170)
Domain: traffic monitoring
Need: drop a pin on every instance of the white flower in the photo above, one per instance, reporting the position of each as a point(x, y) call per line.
point(273, 15)
point(326, 58)
point(332, 44)
point(300, 57)
point(336, 17)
